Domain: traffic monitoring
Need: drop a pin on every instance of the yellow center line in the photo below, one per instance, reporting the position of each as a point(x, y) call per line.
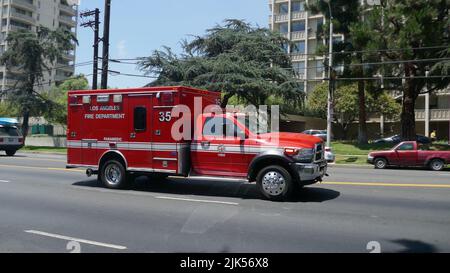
point(42, 159)
point(368, 184)
point(442, 186)
point(42, 168)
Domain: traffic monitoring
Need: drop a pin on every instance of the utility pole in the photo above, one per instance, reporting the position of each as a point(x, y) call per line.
point(96, 26)
point(427, 106)
point(331, 82)
point(105, 63)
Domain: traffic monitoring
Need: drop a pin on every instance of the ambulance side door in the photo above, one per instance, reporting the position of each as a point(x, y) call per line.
point(165, 148)
point(139, 154)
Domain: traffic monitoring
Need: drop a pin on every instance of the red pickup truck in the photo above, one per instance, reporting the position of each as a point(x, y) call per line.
point(412, 154)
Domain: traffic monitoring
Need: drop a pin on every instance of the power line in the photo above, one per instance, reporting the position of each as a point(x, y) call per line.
point(322, 55)
point(95, 25)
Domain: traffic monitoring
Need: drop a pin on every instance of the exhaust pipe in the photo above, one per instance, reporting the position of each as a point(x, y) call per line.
point(91, 172)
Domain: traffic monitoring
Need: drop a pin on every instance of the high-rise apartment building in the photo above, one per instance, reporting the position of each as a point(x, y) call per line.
point(291, 19)
point(30, 14)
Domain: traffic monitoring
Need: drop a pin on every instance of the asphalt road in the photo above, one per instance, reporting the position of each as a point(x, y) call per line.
point(45, 208)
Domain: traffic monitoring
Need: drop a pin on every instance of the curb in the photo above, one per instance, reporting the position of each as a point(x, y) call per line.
point(334, 165)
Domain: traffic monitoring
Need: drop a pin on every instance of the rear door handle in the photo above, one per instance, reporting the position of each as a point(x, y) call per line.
point(205, 144)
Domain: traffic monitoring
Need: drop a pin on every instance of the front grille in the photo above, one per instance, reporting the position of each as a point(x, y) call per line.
point(319, 152)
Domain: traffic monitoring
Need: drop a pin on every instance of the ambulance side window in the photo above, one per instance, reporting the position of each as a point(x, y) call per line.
point(140, 119)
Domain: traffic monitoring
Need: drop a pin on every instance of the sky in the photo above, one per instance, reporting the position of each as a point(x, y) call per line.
point(138, 27)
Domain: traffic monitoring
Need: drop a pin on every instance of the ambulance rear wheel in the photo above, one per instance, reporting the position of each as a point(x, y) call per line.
point(113, 175)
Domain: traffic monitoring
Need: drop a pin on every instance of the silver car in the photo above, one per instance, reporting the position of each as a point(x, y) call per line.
point(317, 133)
point(11, 138)
point(330, 157)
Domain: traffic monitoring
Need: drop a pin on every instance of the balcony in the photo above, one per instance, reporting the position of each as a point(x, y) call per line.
point(298, 35)
point(67, 10)
point(23, 4)
point(65, 67)
point(67, 20)
point(14, 28)
point(298, 15)
point(443, 91)
point(298, 57)
point(22, 17)
point(281, 18)
point(68, 56)
point(435, 115)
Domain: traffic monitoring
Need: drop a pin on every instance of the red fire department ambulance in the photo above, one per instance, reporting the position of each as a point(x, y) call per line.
point(119, 134)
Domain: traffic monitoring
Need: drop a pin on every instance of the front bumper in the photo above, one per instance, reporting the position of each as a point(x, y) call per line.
point(310, 173)
point(7, 147)
point(370, 160)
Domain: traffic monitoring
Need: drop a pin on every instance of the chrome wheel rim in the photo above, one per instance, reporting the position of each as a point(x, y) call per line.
point(113, 175)
point(381, 164)
point(274, 183)
point(436, 165)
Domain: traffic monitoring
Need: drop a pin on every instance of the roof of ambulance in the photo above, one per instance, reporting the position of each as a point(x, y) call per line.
point(140, 90)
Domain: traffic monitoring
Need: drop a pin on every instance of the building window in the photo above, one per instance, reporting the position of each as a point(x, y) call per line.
point(285, 47)
point(284, 28)
point(337, 40)
point(140, 119)
point(298, 26)
point(298, 6)
point(284, 8)
point(298, 47)
point(319, 68)
point(319, 26)
point(299, 68)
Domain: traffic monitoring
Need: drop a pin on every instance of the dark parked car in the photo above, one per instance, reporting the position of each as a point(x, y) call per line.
point(397, 139)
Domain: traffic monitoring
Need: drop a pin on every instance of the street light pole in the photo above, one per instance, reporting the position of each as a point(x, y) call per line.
point(330, 76)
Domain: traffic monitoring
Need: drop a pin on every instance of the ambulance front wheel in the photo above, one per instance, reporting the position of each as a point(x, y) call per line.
point(275, 183)
point(113, 175)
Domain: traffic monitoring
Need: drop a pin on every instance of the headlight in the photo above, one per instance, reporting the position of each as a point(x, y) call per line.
point(301, 155)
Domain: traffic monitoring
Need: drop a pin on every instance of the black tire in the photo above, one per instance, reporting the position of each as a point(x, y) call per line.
point(113, 175)
point(437, 165)
point(281, 192)
point(380, 163)
point(10, 152)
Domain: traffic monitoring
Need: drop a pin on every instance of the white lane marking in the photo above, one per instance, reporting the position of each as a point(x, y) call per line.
point(197, 200)
point(66, 238)
point(4, 181)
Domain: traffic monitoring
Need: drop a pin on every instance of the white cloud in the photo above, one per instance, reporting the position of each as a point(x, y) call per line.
point(122, 49)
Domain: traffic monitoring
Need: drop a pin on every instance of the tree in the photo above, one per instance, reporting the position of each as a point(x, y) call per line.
point(235, 58)
point(33, 53)
point(347, 104)
point(415, 38)
point(348, 20)
point(58, 96)
point(8, 110)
